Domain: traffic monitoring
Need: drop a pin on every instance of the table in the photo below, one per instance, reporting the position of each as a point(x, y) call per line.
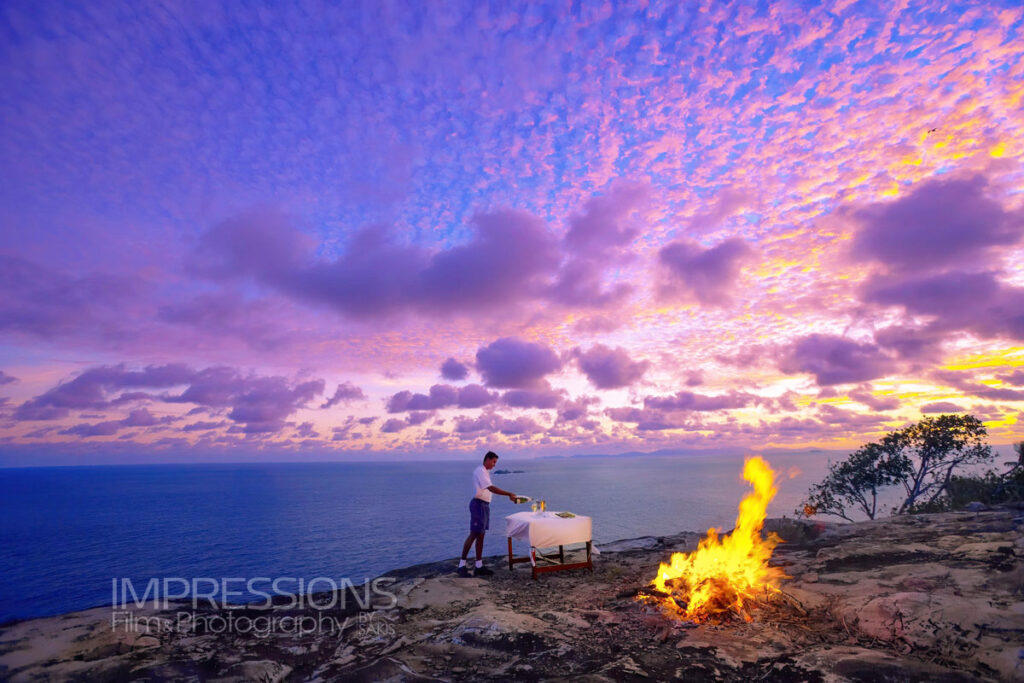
point(547, 530)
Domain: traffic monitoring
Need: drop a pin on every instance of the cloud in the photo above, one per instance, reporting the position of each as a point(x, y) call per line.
point(941, 407)
point(542, 396)
point(972, 301)
point(454, 371)
point(42, 302)
point(596, 240)
point(202, 426)
point(608, 368)
point(513, 363)
point(509, 258)
point(492, 423)
point(965, 383)
point(393, 425)
point(602, 227)
point(835, 360)
point(911, 343)
point(727, 203)
point(345, 392)
point(578, 409)
point(687, 400)
point(647, 419)
point(706, 275)
point(862, 394)
point(941, 223)
point(6, 379)
point(1016, 378)
point(107, 428)
point(263, 403)
point(442, 396)
point(141, 417)
point(260, 403)
point(92, 389)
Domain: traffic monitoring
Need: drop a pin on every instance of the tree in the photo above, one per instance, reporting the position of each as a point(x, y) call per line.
point(938, 446)
point(856, 481)
point(922, 458)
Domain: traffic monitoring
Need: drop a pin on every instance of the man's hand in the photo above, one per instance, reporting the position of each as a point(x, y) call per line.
point(512, 497)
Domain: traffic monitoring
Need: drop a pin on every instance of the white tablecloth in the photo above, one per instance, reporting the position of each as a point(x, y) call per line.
point(546, 530)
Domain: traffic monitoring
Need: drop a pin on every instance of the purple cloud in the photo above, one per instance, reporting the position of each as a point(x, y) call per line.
point(964, 383)
point(910, 343)
point(491, 423)
point(836, 360)
point(393, 426)
point(261, 403)
point(602, 226)
point(93, 388)
point(107, 428)
point(513, 363)
point(862, 394)
point(608, 368)
point(542, 396)
point(475, 396)
point(704, 274)
point(941, 407)
point(647, 419)
point(6, 379)
point(141, 417)
point(597, 239)
point(454, 371)
point(345, 392)
point(1016, 378)
point(42, 302)
point(509, 258)
point(202, 426)
point(572, 411)
point(940, 223)
point(977, 302)
point(442, 396)
point(687, 400)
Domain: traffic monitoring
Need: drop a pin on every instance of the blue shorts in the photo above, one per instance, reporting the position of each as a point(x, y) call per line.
point(479, 516)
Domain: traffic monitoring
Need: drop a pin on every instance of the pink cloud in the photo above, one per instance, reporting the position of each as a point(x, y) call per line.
point(514, 363)
point(609, 368)
point(707, 275)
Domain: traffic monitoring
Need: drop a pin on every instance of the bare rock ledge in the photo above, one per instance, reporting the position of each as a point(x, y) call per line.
point(913, 598)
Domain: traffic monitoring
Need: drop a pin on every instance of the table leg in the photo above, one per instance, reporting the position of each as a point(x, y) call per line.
point(561, 554)
point(510, 553)
point(533, 562)
point(590, 562)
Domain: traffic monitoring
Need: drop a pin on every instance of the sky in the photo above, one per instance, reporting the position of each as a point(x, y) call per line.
point(381, 229)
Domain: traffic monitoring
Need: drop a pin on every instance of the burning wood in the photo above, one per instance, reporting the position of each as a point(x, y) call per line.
point(724, 576)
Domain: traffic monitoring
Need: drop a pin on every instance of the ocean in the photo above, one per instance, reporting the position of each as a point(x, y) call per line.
point(67, 532)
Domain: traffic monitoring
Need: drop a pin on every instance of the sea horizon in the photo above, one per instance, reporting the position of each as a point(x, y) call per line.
point(301, 519)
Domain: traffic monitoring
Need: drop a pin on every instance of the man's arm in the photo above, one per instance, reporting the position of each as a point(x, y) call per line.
point(502, 492)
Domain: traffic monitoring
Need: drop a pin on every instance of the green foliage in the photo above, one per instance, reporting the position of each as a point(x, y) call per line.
point(855, 482)
point(939, 446)
point(923, 458)
point(990, 488)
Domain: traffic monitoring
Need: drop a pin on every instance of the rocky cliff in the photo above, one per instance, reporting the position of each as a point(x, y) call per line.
point(929, 597)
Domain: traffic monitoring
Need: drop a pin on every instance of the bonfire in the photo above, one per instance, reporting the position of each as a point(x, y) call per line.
point(725, 576)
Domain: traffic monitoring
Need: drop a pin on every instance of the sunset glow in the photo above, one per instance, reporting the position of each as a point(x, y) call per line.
point(390, 231)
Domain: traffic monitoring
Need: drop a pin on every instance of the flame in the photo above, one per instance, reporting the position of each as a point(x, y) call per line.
point(723, 575)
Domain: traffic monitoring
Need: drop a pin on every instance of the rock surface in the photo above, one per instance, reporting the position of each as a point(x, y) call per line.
point(914, 598)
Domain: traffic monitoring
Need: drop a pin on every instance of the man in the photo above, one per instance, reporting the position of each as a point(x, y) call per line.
point(480, 514)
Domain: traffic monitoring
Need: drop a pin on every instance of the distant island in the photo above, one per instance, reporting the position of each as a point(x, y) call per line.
point(509, 471)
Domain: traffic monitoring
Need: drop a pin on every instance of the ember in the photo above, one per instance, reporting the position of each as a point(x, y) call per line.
point(723, 576)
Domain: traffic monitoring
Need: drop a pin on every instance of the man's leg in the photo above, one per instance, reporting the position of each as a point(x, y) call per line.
point(473, 536)
point(479, 548)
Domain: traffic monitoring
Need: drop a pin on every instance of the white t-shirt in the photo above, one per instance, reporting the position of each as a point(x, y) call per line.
point(481, 480)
